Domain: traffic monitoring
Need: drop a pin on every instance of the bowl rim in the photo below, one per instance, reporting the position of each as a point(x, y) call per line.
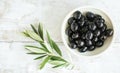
point(63, 25)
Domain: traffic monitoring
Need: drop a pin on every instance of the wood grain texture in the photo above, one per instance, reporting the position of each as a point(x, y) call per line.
point(50, 13)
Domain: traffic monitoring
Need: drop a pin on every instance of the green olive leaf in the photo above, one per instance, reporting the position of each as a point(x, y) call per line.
point(54, 45)
point(40, 31)
point(40, 57)
point(34, 36)
point(35, 49)
point(56, 48)
point(56, 62)
point(44, 46)
point(59, 65)
point(35, 53)
point(44, 54)
point(34, 29)
point(44, 62)
point(57, 58)
point(26, 34)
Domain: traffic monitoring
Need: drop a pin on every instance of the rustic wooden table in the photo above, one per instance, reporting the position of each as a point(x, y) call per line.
point(16, 15)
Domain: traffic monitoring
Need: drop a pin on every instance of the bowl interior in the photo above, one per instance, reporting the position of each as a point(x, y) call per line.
point(97, 50)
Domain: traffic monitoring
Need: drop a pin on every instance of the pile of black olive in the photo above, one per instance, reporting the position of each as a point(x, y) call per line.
point(87, 31)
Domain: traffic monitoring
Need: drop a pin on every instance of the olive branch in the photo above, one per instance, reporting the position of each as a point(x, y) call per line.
point(47, 51)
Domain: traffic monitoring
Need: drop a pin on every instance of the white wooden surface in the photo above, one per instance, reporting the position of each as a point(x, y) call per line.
point(16, 15)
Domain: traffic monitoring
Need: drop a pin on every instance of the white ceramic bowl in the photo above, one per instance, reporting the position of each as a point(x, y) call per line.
point(109, 24)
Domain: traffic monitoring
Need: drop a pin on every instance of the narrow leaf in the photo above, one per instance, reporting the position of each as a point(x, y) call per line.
point(56, 62)
point(58, 65)
point(34, 29)
point(35, 53)
point(44, 46)
point(27, 35)
point(39, 57)
point(57, 58)
point(34, 36)
point(40, 31)
point(44, 62)
point(56, 48)
point(35, 49)
point(53, 45)
point(49, 40)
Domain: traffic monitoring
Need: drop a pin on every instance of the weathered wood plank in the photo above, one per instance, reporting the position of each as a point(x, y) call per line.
point(13, 58)
point(50, 13)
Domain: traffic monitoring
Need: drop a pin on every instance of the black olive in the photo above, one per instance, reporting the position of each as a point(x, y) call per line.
point(109, 32)
point(102, 20)
point(71, 20)
point(75, 35)
point(70, 39)
point(95, 39)
point(83, 49)
point(88, 42)
point(92, 26)
point(72, 45)
point(89, 35)
point(82, 18)
point(80, 43)
point(96, 32)
point(77, 14)
point(103, 37)
point(99, 23)
point(81, 23)
point(99, 43)
point(83, 36)
point(74, 27)
point(90, 16)
point(91, 48)
point(68, 31)
point(103, 28)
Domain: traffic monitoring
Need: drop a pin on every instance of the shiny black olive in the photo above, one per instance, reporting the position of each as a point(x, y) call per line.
point(83, 36)
point(91, 48)
point(77, 14)
point(95, 39)
point(102, 20)
point(103, 37)
point(72, 45)
point(89, 35)
point(80, 43)
point(71, 20)
point(103, 28)
point(81, 23)
point(82, 18)
point(99, 43)
point(75, 35)
point(88, 42)
point(68, 31)
point(74, 27)
point(109, 32)
point(99, 24)
point(90, 16)
point(96, 32)
point(83, 49)
point(70, 39)
point(92, 26)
